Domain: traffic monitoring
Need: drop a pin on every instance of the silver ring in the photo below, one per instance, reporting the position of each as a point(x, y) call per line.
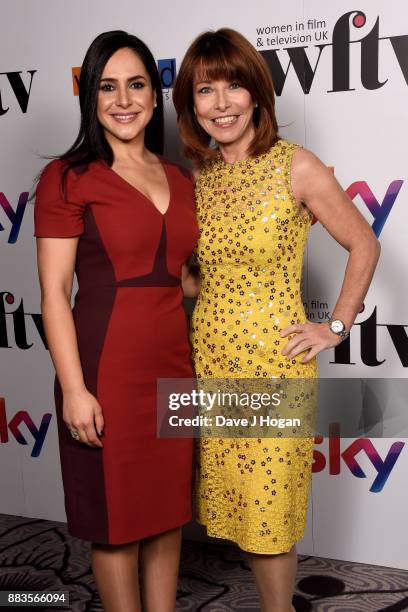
point(74, 434)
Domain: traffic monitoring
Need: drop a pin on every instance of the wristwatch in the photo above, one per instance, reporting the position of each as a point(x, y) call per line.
point(338, 328)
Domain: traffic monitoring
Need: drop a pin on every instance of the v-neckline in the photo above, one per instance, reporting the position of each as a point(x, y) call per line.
point(140, 193)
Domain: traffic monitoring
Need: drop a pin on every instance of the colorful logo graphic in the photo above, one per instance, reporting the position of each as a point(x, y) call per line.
point(13, 426)
point(340, 52)
point(76, 73)
point(15, 217)
point(20, 90)
point(348, 456)
point(380, 212)
point(166, 68)
point(167, 72)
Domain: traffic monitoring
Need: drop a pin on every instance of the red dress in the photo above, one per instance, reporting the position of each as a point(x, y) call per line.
point(131, 330)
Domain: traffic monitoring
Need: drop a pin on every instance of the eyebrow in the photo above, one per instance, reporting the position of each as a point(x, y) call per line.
point(133, 78)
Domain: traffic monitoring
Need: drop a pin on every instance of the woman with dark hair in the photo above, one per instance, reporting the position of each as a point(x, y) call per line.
point(256, 194)
point(113, 211)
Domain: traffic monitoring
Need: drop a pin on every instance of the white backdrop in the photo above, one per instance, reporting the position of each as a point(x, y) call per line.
point(355, 120)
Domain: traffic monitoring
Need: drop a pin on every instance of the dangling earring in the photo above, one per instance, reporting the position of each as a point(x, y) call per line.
point(155, 105)
point(256, 105)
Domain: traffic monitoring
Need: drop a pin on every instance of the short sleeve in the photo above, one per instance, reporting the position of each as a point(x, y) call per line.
point(58, 214)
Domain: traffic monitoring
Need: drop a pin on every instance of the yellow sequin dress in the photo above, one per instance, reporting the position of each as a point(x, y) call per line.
point(252, 491)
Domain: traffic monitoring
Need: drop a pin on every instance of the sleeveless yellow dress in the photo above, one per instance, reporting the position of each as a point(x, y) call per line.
point(253, 491)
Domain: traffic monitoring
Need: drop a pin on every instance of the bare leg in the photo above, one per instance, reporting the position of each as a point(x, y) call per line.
point(160, 559)
point(116, 573)
point(275, 580)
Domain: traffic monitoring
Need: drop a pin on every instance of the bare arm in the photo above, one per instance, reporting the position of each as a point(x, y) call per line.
point(56, 262)
point(315, 187)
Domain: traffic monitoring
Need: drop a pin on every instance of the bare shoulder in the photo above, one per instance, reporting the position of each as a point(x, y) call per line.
point(304, 162)
point(309, 174)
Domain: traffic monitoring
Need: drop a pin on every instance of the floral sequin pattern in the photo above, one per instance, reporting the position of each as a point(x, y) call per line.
point(251, 247)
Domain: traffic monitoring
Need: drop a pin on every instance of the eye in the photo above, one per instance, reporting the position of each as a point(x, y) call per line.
point(106, 87)
point(235, 85)
point(204, 90)
point(137, 85)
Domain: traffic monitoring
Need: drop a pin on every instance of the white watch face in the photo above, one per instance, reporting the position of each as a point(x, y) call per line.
point(337, 326)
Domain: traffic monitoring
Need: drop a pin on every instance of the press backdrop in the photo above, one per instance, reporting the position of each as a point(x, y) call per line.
point(341, 71)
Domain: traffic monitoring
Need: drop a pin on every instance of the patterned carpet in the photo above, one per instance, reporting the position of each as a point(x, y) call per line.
point(39, 555)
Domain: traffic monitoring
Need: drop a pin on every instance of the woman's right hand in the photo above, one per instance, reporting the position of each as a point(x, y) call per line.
point(190, 280)
point(83, 414)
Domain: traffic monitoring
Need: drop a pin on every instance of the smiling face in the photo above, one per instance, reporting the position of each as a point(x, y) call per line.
point(225, 111)
point(125, 98)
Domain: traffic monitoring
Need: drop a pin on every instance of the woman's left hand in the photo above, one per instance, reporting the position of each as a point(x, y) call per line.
point(311, 337)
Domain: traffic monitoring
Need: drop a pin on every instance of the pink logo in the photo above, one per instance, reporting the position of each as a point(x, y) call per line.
point(380, 211)
point(15, 216)
point(349, 455)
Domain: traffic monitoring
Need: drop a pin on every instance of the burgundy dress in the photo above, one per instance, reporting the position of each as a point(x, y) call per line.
point(131, 330)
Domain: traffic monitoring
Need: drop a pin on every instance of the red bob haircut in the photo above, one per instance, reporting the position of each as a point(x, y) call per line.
point(224, 55)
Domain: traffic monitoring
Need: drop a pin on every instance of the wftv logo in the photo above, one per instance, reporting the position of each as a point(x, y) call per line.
point(340, 57)
point(14, 82)
point(13, 426)
point(368, 343)
point(349, 454)
point(18, 319)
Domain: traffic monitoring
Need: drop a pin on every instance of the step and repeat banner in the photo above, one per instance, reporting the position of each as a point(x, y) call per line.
point(341, 76)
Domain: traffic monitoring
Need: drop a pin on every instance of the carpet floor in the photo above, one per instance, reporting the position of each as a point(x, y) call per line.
point(37, 555)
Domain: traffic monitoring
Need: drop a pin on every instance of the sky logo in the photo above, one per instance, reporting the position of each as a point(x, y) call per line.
point(15, 217)
point(167, 72)
point(379, 211)
point(383, 467)
point(38, 433)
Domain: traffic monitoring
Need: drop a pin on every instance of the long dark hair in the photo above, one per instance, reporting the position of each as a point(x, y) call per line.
point(91, 144)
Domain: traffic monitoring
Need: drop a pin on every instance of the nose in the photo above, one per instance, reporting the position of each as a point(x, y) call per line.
point(123, 96)
point(222, 101)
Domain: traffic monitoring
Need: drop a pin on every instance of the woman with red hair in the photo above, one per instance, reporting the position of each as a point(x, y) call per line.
point(256, 194)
